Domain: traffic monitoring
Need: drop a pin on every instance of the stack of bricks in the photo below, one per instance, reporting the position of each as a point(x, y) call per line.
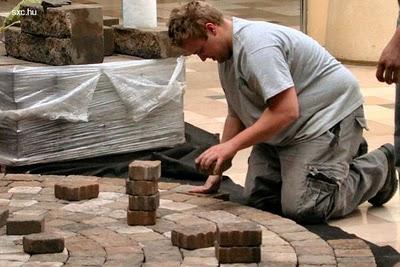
point(238, 242)
point(66, 35)
point(142, 188)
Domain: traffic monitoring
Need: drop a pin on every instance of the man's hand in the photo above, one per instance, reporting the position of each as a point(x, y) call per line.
point(216, 159)
point(211, 185)
point(389, 63)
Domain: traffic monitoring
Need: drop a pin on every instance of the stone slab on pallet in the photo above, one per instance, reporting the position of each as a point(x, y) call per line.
point(77, 21)
point(25, 225)
point(76, 190)
point(50, 50)
point(109, 46)
point(144, 43)
point(43, 243)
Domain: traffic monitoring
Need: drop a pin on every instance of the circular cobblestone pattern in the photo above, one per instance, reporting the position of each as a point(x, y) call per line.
point(96, 231)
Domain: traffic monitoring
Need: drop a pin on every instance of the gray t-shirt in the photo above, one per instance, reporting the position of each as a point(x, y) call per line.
point(268, 59)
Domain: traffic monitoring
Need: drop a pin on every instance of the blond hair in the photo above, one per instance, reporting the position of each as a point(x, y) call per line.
point(188, 21)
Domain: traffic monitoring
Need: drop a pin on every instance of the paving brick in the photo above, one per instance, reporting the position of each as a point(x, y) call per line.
point(141, 188)
point(137, 217)
point(242, 234)
point(145, 170)
point(108, 33)
point(144, 43)
point(110, 21)
point(43, 243)
point(25, 225)
point(194, 236)
point(144, 203)
point(76, 190)
point(4, 212)
point(237, 254)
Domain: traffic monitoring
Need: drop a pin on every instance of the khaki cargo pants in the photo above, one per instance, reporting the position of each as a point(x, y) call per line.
point(316, 180)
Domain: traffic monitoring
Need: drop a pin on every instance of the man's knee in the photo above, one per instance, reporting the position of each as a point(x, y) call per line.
point(316, 204)
point(265, 195)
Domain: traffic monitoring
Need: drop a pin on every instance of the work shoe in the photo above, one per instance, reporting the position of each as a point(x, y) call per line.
point(391, 183)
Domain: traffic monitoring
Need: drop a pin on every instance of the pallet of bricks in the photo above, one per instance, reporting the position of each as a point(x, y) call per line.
point(142, 188)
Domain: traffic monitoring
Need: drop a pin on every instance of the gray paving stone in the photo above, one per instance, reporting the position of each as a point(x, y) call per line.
point(199, 253)
point(134, 253)
point(153, 236)
point(165, 264)
point(25, 189)
point(342, 253)
point(200, 261)
point(176, 206)
point(348, 244)
point(10, 263)
point(21, 257)
point(51, 257)
point(25, 225)
point(220, 216)
point(42, 264)
point(316, 259)
point(86, 261)
point(21, 203)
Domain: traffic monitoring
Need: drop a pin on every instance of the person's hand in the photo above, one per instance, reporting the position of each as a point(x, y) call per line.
point(216, 159)
point(210, 186)
point(389, 63)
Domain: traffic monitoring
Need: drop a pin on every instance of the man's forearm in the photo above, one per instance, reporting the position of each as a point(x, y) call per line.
point(232, 127)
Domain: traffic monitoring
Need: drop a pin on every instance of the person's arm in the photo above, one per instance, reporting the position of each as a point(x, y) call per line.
point(282, 112)
point(232, 127)
point(389, 63)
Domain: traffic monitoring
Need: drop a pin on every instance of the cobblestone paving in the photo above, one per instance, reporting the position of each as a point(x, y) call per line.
point(96, 232)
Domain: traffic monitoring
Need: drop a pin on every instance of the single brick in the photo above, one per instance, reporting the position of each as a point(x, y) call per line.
point(194, 236)
point(3, 216)
point(108, 41)
point(145, 170)
point(76, 190)
point(243, 234)
point(144, 203)
point(137, 217)
point(141, 188)
point(25, 225)
point(238, 254)
point(43, 243)
point(144, 43)
point(110, 21)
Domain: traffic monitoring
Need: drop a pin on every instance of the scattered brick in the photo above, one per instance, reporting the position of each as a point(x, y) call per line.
point(25, 225)
point(144, 203)
point(3, 216)
point(237, 254)
point(145, 170)
point(43, 243)
point(243, 234)
point(138, 217)
point(76, 190)
point(141, 188)
point(194, 236)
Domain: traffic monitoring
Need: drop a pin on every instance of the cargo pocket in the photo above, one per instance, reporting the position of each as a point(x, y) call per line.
point(319, 197)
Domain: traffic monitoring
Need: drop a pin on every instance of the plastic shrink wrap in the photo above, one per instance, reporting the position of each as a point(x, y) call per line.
point(50, 114)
